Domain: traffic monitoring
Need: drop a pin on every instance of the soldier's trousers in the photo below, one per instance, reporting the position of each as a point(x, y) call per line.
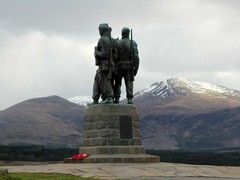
point(127, 75)
point(102, 86)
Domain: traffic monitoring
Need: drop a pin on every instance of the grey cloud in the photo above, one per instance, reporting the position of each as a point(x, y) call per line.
point(46, 47)
point(70, 16)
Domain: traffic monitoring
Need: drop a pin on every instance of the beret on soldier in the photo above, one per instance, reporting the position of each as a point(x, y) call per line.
point(104, 27)
point(125, 31)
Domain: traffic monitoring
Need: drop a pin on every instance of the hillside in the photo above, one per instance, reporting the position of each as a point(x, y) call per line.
point(50, 121)
point(181, 96)
point(189, 115)
point(175, 114)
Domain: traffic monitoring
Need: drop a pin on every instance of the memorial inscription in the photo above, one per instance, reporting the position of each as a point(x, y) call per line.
point(125, 127)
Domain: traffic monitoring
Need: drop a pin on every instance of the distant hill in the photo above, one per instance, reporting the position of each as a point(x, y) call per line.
point(183, 114)
point(176, 114)
point(182, 96)
point(208, 131)
point(50, 121)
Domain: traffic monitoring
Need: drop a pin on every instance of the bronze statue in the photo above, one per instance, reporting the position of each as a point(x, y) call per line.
point(116, 59)
point(127, 65)
point(104, 60)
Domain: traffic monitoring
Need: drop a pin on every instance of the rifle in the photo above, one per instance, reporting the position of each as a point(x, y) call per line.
point(132, 56)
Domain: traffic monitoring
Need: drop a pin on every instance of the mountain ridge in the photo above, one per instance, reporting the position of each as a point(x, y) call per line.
point(188, 115)
point(49, 121)
point(184, 86)
point(173, 116)
point(184, 96)
point(174, 87)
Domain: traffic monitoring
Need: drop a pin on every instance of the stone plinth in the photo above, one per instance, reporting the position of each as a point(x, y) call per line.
point(112, 135)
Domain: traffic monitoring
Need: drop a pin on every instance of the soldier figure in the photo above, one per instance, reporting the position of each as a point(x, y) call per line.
point(104, 60)
point(127, 65)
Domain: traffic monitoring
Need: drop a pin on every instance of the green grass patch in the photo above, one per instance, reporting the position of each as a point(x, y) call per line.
point(41, 176)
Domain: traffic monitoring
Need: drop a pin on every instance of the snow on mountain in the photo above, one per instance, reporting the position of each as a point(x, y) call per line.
point(177, 86)
point(202, 87)
point(81, 100)
point(157, 89)
point(172, 87)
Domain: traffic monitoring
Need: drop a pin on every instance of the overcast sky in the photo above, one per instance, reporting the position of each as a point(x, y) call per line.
point(46, 46)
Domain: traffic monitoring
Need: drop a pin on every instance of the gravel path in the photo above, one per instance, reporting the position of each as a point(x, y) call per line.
point(131, 171)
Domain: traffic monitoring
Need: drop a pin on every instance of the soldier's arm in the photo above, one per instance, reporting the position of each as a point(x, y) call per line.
point(135, 46)
point(104, 52)
point(136, 58)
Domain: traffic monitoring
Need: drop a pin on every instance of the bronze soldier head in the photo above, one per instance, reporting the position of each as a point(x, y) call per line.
point(109, 31)
point(104, 29)
point(125, 32)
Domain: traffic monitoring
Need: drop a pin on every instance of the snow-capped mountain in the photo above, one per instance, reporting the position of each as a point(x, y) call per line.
point(184, 114)
point(185, 96)
point(174, 114)
point(81, 100)
point(181, 86)
point(181, 95)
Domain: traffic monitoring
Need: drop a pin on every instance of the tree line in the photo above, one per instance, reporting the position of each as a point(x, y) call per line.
point(34, 153)
point(41, 153)
point(204, 157)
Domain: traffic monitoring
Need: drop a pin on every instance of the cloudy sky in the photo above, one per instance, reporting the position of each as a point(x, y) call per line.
point(46, 47)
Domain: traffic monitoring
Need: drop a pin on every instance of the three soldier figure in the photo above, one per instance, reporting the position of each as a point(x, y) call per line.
point(116, 60)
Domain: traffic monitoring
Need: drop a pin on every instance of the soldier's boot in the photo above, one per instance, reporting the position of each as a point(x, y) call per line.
point(107, 101)
point(93, 103)
point(130, 101)
point(116, 101)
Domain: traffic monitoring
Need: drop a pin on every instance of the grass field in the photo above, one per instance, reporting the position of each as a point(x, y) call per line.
point(41, 176)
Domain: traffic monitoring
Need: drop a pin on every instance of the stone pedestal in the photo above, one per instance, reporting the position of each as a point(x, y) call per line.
point(112, 135)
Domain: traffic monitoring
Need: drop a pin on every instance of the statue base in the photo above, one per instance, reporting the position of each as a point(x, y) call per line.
point(112, 135)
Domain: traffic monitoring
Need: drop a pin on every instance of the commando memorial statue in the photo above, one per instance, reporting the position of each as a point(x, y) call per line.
point(127, 65)
point(104, 60)
point(116, 60)
point(112, 129)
